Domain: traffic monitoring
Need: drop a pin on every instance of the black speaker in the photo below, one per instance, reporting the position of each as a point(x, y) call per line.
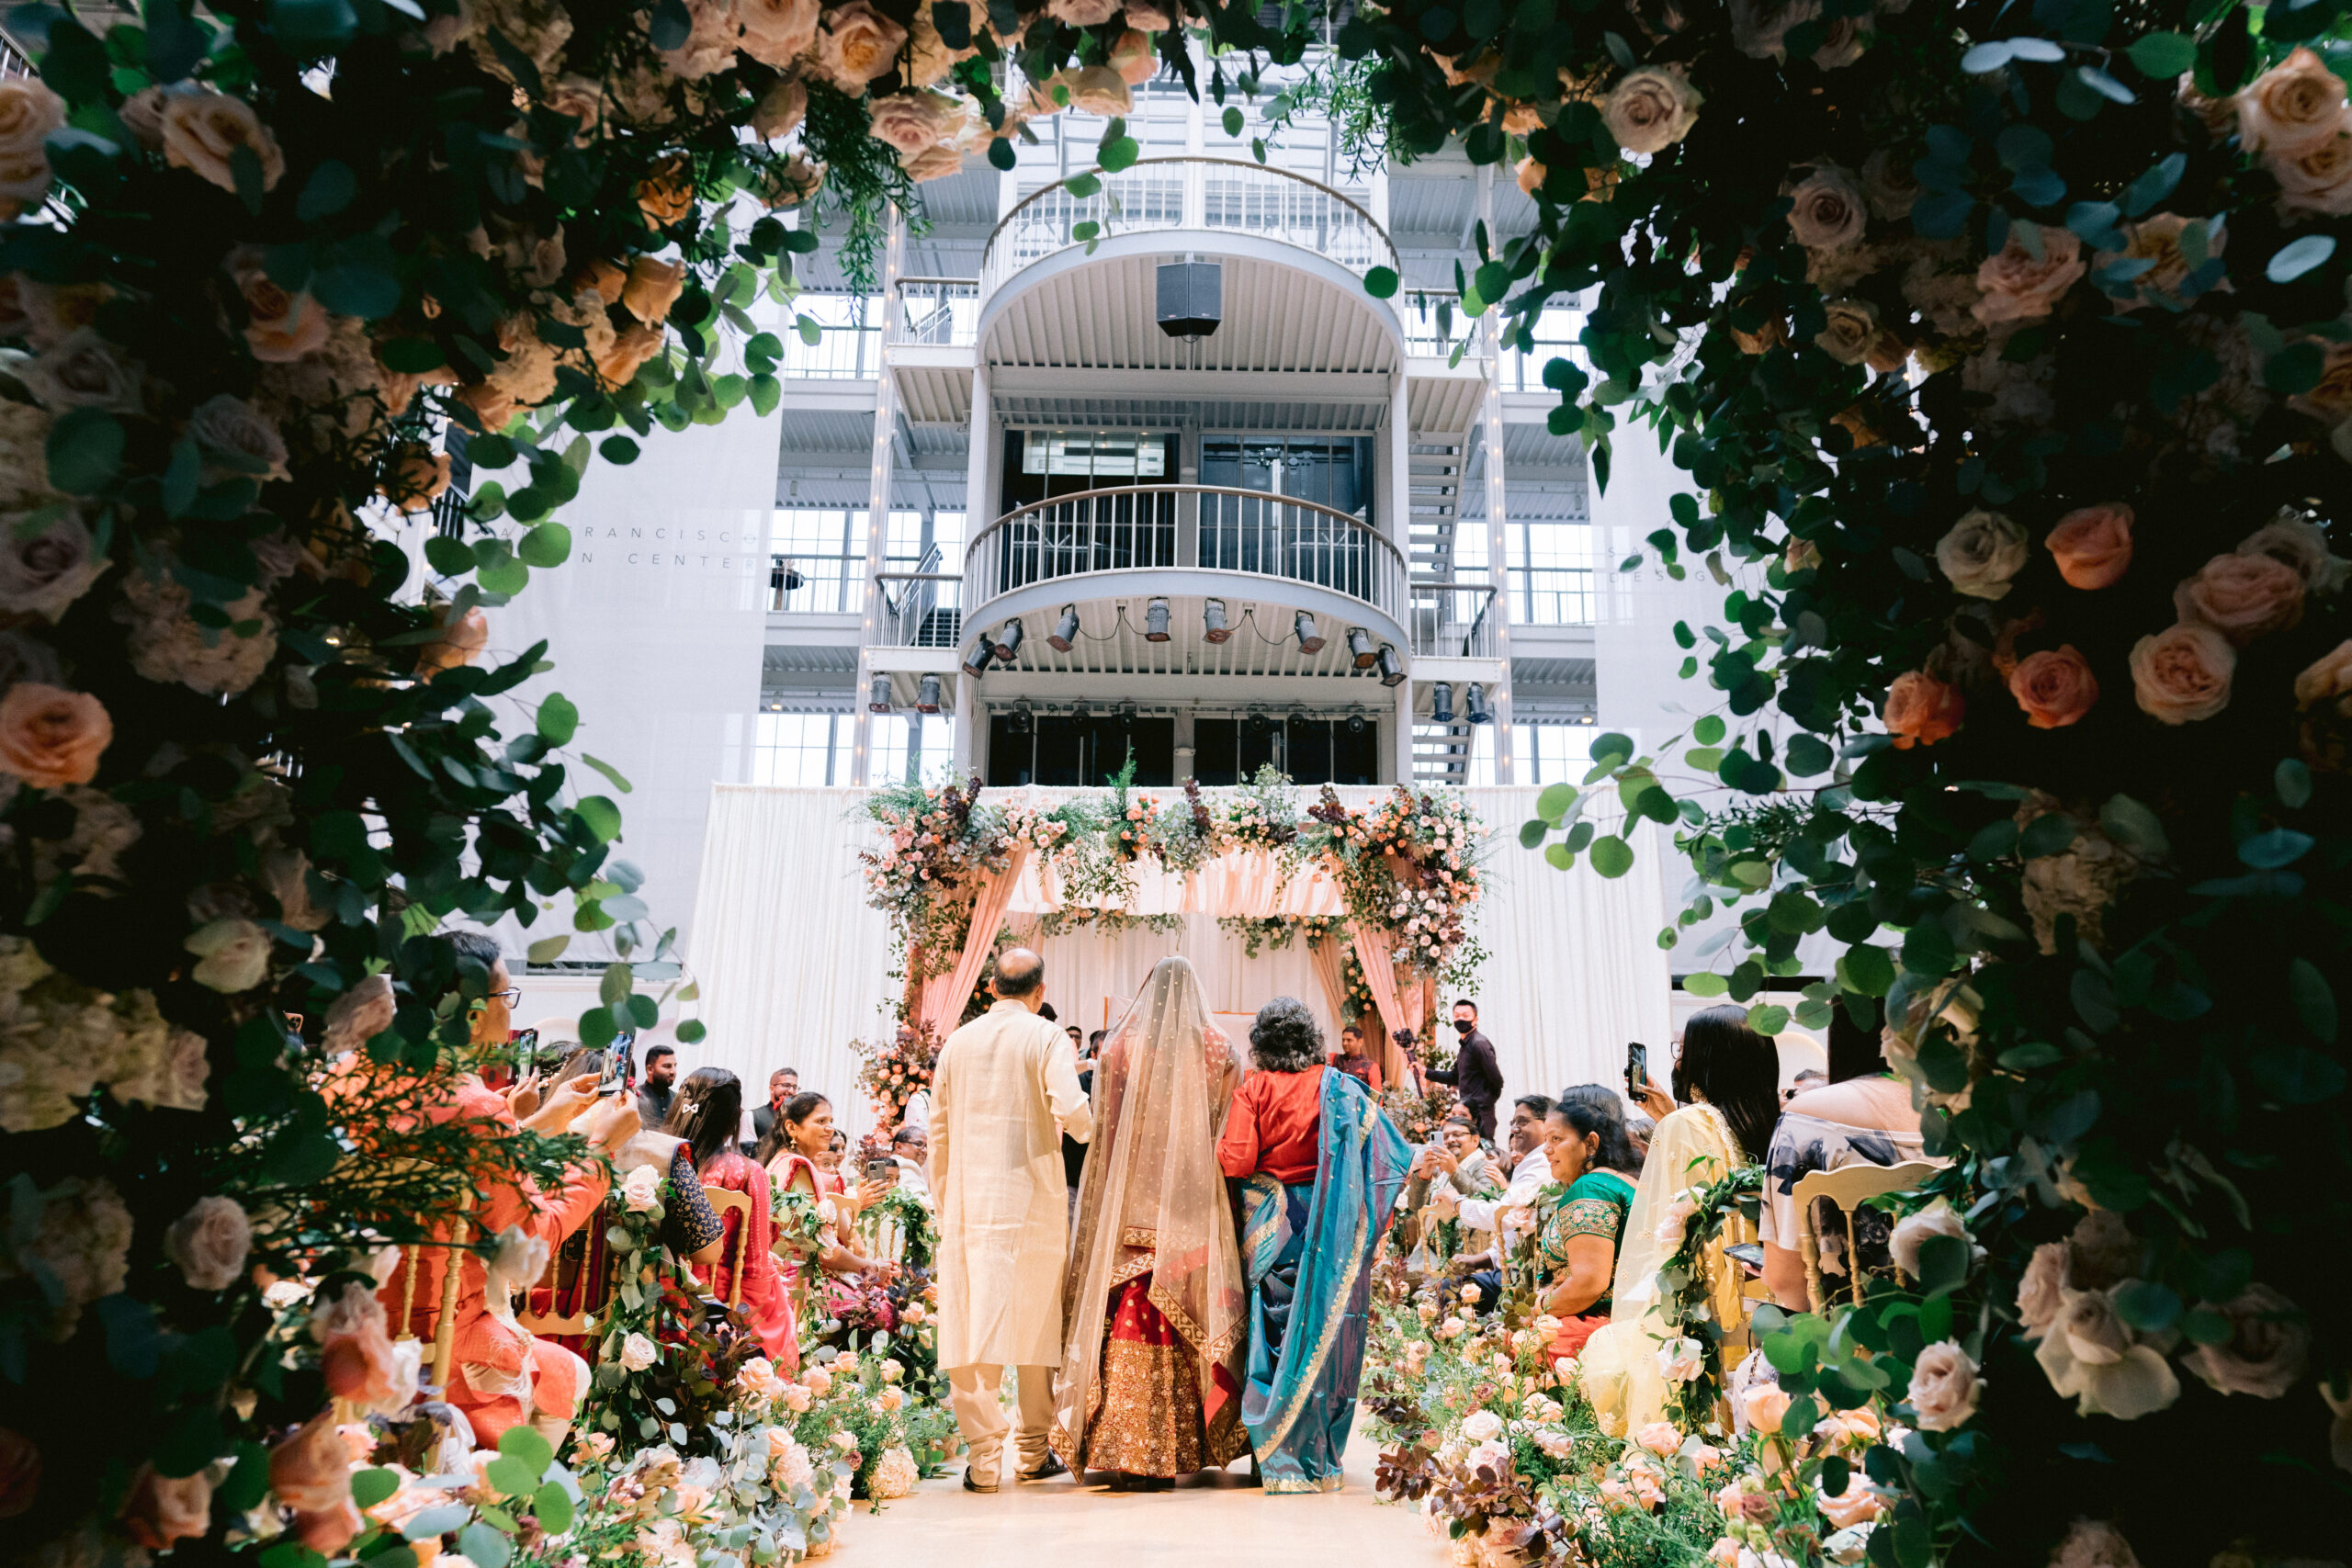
point(1191, 298)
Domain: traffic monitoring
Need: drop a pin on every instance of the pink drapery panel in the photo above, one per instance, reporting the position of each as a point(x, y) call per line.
point(1374, 952)
point(943, 995)
point(1331, 973)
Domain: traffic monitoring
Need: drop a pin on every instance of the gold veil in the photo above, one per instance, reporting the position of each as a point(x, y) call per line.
point(1153, 1198)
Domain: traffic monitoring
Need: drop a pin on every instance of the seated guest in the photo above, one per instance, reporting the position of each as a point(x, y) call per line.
point(1863, 1116)
point(802, 1153)
point(1461, 1162)
point(1351, 1060)
point(1637, 1131)
point(1508, 1214)
point(910, 1147)
point(1726, 1079)
point(1575, 1250)
point(708, 1112)
point(659, 1090)
point(782, 1084)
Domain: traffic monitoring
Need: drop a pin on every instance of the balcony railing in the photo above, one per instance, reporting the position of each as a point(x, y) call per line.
point(813, 585)
point(1435, 326)
point(939, 312)
point(1186, 527)
point(1156, 195)
point(1552, 595)
point(919, 609)
point(1453, 620)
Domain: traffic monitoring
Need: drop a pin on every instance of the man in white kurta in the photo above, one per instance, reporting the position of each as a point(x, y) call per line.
point(1003, 1091)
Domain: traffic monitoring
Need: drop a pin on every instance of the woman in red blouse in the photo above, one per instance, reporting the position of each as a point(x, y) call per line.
point(708, 1112)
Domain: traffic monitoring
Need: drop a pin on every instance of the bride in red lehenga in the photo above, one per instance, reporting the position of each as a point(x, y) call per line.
point(1154, 1299)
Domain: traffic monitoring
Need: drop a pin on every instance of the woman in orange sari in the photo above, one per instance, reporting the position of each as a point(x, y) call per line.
point(706, 1116)
point(797, 1141)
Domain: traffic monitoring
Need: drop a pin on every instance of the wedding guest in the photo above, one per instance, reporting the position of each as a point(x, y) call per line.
point(1351, 1060)
point(708, 1112)
point(1321, 1167)
point(782, 1084)
point(1862, 1115)
point(1476, 1076)
point(1810, 1079)
point(1638, 1130)
point(1575, 1247)
point(1074, 1152)
point(1727, 1078)
point(802, 1154)
point(1506, 1215)
point(658, 1091)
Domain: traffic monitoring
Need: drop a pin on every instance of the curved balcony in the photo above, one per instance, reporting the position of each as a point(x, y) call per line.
point(1165, 195)
point(1176, 540)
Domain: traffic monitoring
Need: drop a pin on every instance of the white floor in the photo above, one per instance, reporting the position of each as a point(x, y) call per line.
point(1209, 1519)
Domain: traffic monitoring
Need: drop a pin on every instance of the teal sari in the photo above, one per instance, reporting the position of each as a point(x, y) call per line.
point(1307, 1251)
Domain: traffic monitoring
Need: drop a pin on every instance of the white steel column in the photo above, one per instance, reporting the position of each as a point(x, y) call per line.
point(979, 510)
point(1401, 721)
point(1498, 531)
point(877, 512)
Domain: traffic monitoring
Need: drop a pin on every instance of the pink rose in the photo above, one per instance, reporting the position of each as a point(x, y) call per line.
point(161, 1510)
point(2328, 678)
point(2020, 287)
point(2243, 596)
point(2093, 545)
point(280, 328)
point(2041, 1290)
point(1944, 1387)
point(51, 738)
point(1858, 1504)
point(2269, 1346)
point(1922, 710)
point(2055, 688)
point(2183, 673)
point(908, 122)
point(310, 1473)
point(1827, 209)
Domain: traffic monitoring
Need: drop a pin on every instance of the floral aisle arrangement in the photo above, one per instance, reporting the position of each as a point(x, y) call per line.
point(1693, 1355)
point(891, 1072)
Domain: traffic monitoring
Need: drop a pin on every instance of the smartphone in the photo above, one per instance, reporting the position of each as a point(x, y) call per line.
point(882, 1169)
point(1749, 1253)
point(1637, 1069)
point(608, 1083)
point(526, 1048)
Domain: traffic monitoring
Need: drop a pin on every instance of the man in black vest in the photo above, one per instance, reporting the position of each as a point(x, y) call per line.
point(1476, 1076)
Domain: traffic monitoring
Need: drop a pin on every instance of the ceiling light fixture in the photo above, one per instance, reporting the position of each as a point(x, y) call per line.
point(1310, 640)
point(1024, 716)
point(1359, 644)
point(1355, 724)
point(1473, 705)
point(1391, 666)
point(1008, 641)
point(1212, 620)
point(976, 662)
point(1258, 723)
point(927, 695)
point(1080, 711)
point(1441, 702)
point(1127, 714)
point(1065, 630)
point(1155, 621)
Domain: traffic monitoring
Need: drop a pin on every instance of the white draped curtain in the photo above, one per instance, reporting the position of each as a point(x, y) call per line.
point(792, 965)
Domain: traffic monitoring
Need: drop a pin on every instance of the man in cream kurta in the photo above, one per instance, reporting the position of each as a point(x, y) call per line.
point(1004, 1090)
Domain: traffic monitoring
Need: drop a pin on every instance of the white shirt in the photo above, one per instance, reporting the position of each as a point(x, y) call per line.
point(1528, 1179)
point(911, 1177)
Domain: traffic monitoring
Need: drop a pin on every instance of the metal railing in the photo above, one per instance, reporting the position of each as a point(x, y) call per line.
point(1452, 619)
point(918, 607)
point(813, 585)
point(1207, 528)
point(940, 312)
point(849, 339)
point(1435, 326)
point(1156, 195)
point(1552, 595)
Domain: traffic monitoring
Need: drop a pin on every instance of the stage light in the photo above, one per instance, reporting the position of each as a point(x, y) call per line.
point(1257, 723)
point(1310, 640)
point(1359, 644)
point(1080, 711)
point(976, 662)
point(1155, 621)
point(1585, 719)
point(877, 694)
point(1212, 620)
point(1127, 714)
point(1473, 705)
point(1023, 717)
point(1065, 630)
point(1008, 641)
point(927, 695)
point(1441, 702)
point(1355, 724)
point(1392, 667)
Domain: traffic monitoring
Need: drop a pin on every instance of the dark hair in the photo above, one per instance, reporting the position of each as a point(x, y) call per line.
point(1539, 1103)
point(479, 946)
point(1284, 1037)
point(1355, 1029)
point(581, 1062)
point(1096, 1038)
point(1045, 1010)
point(655, 1053)
point(781, 1071)
point(1854, 1051)
point(708, 1112)
point(1599, 1117)
point(1018, 974)
point(908, 1133)
point(1466, 1002)
point(1738, 1069)
point(840, 1140)
point(796, 1110)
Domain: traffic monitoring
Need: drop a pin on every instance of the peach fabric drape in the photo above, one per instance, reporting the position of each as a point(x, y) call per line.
point(1331, 973)
point(1373, 952)
point(943, 995)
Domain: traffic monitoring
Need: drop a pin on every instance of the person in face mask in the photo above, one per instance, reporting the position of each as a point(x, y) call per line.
point(1476, 1076)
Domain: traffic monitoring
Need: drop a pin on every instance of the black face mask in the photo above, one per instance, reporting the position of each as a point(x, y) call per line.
point(1465, 1024)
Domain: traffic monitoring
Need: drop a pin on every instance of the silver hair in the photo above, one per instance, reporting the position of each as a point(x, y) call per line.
point(1284, 1037)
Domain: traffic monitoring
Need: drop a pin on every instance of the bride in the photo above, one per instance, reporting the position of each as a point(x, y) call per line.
point(1154, 1298)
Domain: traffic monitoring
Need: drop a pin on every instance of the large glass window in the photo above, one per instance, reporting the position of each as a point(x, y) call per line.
point(1551, 573)
point(1330, 471)
point(1066, 751)
point(910, 747)
point(800, 749)
point(1308, 750)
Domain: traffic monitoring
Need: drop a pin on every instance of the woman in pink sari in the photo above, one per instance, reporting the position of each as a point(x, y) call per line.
point(707, 1114)
point(796, 1142)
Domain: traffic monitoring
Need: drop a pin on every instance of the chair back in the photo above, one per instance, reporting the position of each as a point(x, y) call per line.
point(1846, 1189)
point(723, 1199)
point(552, 1322)
point(445, 1311)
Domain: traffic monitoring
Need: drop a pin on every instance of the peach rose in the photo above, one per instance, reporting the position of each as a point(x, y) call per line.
point(856, 43)
point(2041, 1288)
point(1134, 58)
point(460, 642)
point(908, 122)
point(2316, 179)
point(2303, 544)
point(2156, 239)
point(1095, 89)
point(1827, 210)
point(778, 33)
point(2327, 678)
point(604, 277)
point(1944, 1387)
point(28, 112)
point(2093, 545)
point(1922, 710)
point(1530, 175)
point(311, 1473)
point(416, 476)
point(1858, 1504)
point(632, 346)
point(653, 287)
point(2020, 287)
point(2295, 104)
point(204, 130)
point(161, 1510)
point(280, 327)
point(51, 738)
point(2055, 688)
point(2182, 673)
point(934, 163)
point(2243, 596)
point(2269, 1346)
point(1764, 1406)
point(666, 194)
point(1082, 13)
point(782, 108)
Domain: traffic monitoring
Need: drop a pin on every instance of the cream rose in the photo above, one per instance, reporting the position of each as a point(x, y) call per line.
point(778, 33)
point(2041, 1288)
point(1981, 553)
point(1095, 89)
point(1481, 1425)
point(233, 429)
point(934, 163)
point(1680, 1359)
point(2094, 1331)
point(209, 1243)
point(2294, 105)
point(2183, 673)
point(2017, 285)
point(2054, 687)
point(232, 955)
point(204, 130)
point(1944, 1387)
point(51, 738)
point(2156, 240)
point(641, 1188)
point(2138, 1382)
point(1827, 209)
point(280, 328)
point(2093, 545)
point(1913, 1230)
point(856, 43)
point(1850, 333)
point(359, 1015)
point(83, 370)
point(44, 572)
point(2316, 179)
point(1764, 1406)
point(1760, 29)
point(908, 122)
point(1651, 108)
point(28, 112)
point(782, 108)
point(2243, 596)
point(2302, 544)
point(637, 1352)
point(1082, 13)
point(2270, 1345)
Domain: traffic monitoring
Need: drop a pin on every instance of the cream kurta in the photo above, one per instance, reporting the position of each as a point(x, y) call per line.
point(1004, 1090)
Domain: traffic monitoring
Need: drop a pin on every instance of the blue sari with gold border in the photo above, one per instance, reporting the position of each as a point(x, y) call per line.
point(1307, 1251)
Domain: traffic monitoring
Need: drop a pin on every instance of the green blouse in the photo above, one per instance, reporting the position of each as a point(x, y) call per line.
point(1595, 1204)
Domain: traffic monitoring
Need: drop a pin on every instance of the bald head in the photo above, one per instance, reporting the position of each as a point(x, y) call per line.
point(1019, 976)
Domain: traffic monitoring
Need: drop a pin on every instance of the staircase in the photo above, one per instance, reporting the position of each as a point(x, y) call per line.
point(1442, 753)
point(1435, 466)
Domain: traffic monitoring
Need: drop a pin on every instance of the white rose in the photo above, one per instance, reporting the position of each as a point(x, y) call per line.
point(1982, 553)
point(234, 955)
point(641, 1188)
point(1944, 1387)
point(1649, 111)
point(1679, 1360)
point(1827, 210)
point(638, 1353)
point(233, 429)
point(44, 572)
point(1481, 1425)
point(2140, 1381)
point(81, 371)
point(209, 1243)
